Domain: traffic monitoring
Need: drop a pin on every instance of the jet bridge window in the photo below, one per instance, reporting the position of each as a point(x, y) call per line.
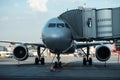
point(52, 25)
point(60, 25)
point(89, 22)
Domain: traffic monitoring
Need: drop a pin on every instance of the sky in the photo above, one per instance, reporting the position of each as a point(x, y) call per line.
point(23, 20)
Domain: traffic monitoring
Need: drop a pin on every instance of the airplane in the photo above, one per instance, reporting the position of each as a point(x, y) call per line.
point(57, 37)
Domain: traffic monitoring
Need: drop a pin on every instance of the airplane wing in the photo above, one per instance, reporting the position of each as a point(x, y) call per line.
point(15, 42)
point(87, 44)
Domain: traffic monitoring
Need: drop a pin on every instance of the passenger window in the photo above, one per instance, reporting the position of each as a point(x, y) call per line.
point(51, 25)
point(60, 25)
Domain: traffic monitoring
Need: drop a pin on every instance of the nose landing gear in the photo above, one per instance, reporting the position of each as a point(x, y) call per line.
point(58, 64)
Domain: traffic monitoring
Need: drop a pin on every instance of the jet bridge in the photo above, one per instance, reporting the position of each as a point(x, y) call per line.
point(93, 24)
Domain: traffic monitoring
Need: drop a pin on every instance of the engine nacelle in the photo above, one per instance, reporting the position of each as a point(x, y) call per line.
point(103, 53)
point(20, 52)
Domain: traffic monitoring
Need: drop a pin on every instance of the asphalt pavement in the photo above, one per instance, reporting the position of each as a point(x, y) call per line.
point(10, 69)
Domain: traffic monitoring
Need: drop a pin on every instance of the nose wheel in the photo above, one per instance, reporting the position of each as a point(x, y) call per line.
point(57, 65)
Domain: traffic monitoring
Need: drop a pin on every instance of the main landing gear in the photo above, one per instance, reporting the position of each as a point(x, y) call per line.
point(39, 58)
point(85, 61)
point(87, 58)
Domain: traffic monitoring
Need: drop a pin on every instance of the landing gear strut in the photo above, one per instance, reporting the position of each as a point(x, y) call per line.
point(87, 58)
point(39, 58)
point(58, 64)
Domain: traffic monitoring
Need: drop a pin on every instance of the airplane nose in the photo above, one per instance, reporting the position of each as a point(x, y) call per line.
point(57, 40)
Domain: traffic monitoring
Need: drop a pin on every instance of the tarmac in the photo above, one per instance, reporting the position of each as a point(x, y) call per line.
point(10, 69)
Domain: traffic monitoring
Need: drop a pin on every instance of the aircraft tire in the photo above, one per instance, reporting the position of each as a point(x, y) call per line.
point(60, 65)
point(90, 61)
point(36, 60)
point(84, 61)
point(56, 65)
point(42, 61)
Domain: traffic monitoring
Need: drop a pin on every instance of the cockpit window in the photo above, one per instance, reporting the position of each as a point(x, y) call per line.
point(52, 25)
point(60, 25)
point(66, 25)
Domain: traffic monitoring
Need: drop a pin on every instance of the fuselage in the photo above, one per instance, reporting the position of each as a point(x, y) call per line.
point(57, 36)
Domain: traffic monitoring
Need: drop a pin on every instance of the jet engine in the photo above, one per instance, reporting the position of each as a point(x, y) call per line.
point(20, 52)
point(103, 53)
